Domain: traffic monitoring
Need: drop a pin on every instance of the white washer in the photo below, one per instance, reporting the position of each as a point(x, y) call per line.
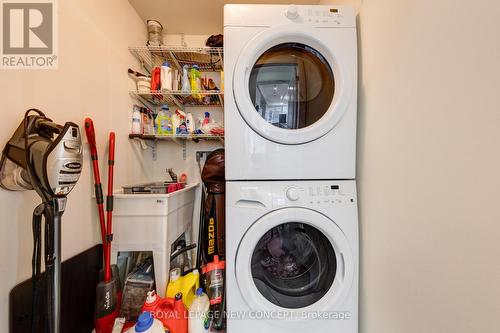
point(290, 92)
point(292, 256)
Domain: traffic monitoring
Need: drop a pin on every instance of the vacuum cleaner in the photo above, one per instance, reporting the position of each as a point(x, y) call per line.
point(45, 157)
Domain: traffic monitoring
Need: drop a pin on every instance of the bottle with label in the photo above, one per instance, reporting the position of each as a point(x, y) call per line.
point(174, 285)
point(181, 128)
point(186, 285)
point(190, 123)
point(164, 121)
point(198, 321)
point(147, 324)
point(195, 81)
point(166, 76)
point(152, 301)
point(186, 86)
point(222, 80)
point(136, 120)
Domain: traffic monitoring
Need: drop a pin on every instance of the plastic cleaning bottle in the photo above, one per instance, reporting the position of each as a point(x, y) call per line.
point(181, 128)
point(195, 81)
point(198, 321)
point(136, 120)
point(186, 285)
point(164, 121)
point(152, 301)
point(174, 285)
point(176, 121)
point(206, 120)
point(173, 314)
point(186, 86)
point(147, 324)
point(180, 325)
point(190, 283)
point(190, 123)
point(166, 77)
point(222, 80)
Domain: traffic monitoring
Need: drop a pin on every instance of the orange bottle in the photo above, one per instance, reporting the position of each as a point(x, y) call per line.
point(172, 313)
point(151, 303)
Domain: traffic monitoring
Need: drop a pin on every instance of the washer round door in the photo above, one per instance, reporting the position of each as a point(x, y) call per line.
point(289, 87)
point(294, 259)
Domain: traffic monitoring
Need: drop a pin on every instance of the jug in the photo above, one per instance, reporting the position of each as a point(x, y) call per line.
point(186, 285)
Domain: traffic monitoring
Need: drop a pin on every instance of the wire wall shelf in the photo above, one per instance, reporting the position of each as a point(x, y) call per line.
point(193, 137)
point(209, 59)
point(206, 98)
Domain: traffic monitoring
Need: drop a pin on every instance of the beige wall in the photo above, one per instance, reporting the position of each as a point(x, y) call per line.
point(91, 81)
point(428, 167)
point(428, 153)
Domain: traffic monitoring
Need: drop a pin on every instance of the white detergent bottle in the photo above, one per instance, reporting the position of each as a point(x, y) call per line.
point(198, 313)
point(186, 86)
point(190, 123)
point(166, 76)
point(147, 324)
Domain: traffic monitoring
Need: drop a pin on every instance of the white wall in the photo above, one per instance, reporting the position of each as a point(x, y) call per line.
point(428, 166)
point(91, 81)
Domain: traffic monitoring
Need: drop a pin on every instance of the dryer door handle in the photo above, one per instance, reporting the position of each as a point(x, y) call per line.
point(343, 266)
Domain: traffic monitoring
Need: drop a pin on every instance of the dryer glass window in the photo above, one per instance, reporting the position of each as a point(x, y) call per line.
point(293, 265)
point(291, 86)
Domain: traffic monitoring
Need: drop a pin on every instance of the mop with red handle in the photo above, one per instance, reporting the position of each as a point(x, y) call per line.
point(109, 205)
point(109, 216)
point(107, 291)
point(90, 132)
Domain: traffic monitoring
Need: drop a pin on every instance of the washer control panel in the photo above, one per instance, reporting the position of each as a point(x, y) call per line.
point(313, 194)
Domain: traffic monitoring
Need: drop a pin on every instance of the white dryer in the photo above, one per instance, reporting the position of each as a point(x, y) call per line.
point(292, 256)
point(290, 92)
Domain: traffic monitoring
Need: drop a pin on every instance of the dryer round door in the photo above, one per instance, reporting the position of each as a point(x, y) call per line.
point(291, 88)
point(294, 259)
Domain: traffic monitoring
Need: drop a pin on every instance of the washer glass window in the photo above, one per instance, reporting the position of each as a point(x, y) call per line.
point(291, 85)
point(293, 265)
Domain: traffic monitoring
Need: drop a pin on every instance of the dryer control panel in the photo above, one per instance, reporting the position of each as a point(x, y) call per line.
point(268, 15)
point(324, 16)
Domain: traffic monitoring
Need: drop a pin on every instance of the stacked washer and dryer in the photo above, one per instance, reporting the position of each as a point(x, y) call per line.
point(291, 206)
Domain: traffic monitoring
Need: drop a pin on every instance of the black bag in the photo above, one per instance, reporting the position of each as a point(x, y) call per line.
point(215, 41)
point(213, 228)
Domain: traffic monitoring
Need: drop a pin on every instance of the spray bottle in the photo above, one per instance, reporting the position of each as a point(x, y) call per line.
point(186, 86)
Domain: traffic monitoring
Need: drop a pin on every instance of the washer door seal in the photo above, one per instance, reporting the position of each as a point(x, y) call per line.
point(285, 243)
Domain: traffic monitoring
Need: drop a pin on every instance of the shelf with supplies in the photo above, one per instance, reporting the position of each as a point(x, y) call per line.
point(206, 98)
point(179, 139)
point(193, 137)
point(209, 59)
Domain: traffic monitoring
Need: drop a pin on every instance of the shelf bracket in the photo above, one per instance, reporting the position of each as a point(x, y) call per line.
point(183, 40)
point(154, 150)
point(184, 147)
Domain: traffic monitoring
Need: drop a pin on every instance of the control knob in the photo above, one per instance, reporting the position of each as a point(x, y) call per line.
point(292, 12)
point(292, 194)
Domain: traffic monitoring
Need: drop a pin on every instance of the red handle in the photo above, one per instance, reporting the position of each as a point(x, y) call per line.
point(109, 206)
point(90, 133)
